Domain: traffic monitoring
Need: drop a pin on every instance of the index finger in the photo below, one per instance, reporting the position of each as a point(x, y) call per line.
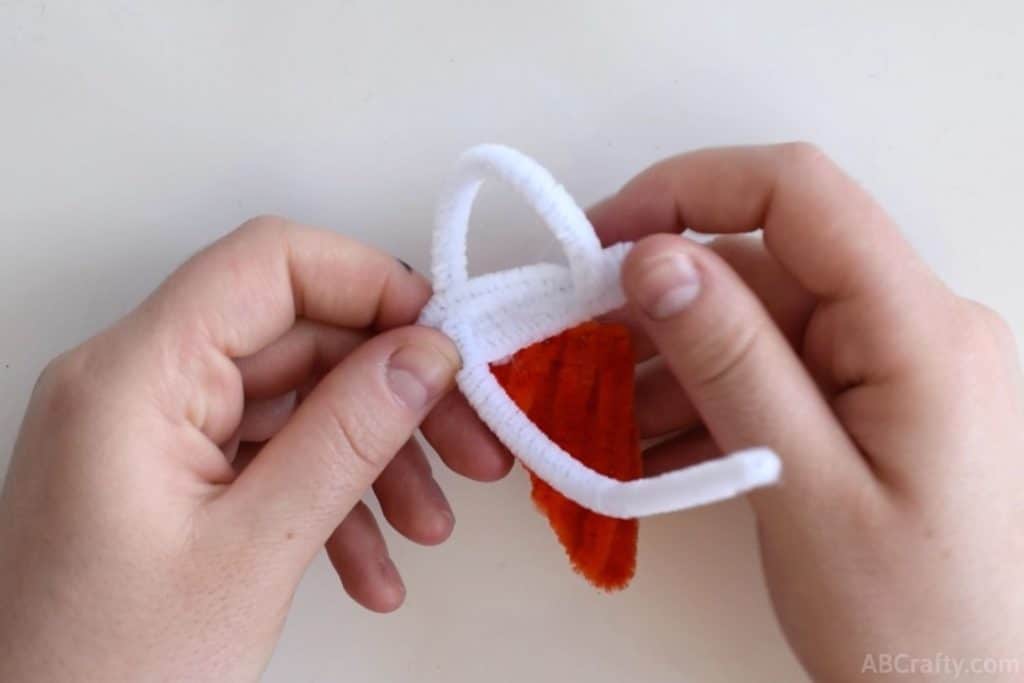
point(246, 290)
point(820, 224)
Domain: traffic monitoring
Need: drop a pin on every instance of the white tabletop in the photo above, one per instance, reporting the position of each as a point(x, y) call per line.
point(131, 137)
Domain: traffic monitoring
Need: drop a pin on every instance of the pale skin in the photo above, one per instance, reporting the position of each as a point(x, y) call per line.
point(175, 475)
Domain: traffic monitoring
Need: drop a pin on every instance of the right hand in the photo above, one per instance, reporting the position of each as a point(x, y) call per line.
point(895, 404)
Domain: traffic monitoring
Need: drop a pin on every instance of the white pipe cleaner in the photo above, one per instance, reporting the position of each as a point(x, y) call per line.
point(491, 317)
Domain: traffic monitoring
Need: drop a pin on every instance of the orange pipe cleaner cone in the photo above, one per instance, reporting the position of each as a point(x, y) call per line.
point(577, 388)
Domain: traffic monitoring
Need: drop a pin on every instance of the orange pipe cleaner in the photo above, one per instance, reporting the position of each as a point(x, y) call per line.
point(577, 387)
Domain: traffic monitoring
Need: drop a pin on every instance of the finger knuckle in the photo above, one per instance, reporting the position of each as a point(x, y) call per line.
point(984, 327)
point(805, 157)
point(265, 222)
point(995, 324)
point(725, 354)
point(264, 225)
point(353, 438)
point(66, 383)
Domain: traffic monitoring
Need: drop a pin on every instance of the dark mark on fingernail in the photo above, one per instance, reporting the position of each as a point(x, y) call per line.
point(405, 265)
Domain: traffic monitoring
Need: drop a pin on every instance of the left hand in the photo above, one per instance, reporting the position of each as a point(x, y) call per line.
point(175, 475)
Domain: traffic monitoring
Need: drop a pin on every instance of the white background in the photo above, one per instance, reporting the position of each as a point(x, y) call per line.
point(133, 133)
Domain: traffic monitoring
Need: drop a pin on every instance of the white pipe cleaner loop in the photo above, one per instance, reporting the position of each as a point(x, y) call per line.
point(492, 316)
point(539, 189)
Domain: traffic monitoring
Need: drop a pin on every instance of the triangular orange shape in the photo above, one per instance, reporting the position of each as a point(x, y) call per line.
point(577, 388)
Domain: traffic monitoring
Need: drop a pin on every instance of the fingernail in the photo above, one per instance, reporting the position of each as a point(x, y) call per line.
point(669, 284)
point(419, 374)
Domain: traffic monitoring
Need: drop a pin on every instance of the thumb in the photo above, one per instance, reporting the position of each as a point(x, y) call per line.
point(739, 371)
point(317, 468)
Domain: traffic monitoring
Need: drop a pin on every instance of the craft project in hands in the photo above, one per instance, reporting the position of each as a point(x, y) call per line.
point(554, 384)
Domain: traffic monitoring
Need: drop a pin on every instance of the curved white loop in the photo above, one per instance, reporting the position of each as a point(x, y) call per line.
point(492, 316)
point(539, 189)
